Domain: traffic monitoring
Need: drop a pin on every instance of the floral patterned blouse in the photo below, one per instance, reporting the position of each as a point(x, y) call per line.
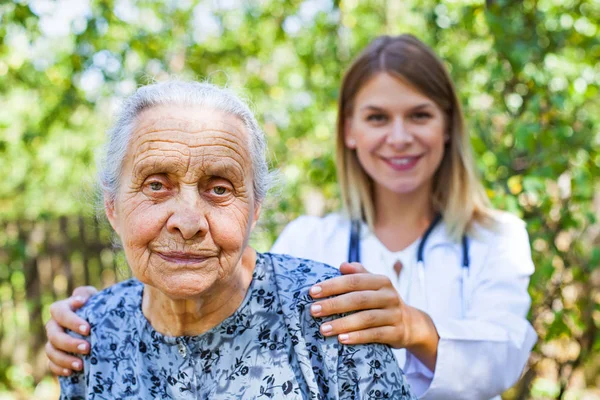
point(270, 348)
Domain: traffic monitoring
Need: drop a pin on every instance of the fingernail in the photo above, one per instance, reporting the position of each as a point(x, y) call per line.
point(82, 347)
point(326, 328)
point(75, 365)
point(78, 299)
point(315, 290)
point(66, 371)
point(343, 337)
point(316, 309)
point(82, 328)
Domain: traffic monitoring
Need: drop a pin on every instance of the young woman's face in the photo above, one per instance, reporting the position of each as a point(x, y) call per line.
point(398, 134)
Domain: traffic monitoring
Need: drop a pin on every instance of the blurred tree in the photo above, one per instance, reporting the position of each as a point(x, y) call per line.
point(527, 72)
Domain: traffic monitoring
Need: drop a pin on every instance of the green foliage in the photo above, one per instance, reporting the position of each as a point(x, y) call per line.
point(527, 72)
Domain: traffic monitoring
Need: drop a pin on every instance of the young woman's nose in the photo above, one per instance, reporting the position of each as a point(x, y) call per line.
point(189, 216)
point(399, 133)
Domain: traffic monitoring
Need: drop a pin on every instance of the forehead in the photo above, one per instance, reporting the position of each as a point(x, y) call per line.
point(169, 131)
point(384, 90)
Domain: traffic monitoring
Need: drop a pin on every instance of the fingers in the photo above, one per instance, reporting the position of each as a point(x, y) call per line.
point(61, 363)
point(84, 292)
point(62, 312)
point(355, 301)
point(352, 268)
point(348, 283)
point(63, 341)
point(359, 321)
point(59, 342)
point(58, 371)
point(383, 334)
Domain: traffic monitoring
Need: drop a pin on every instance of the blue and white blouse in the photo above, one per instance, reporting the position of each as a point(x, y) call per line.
point(270, 348)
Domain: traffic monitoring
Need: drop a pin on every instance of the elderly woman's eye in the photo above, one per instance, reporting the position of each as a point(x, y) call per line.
point(156, 186)
point(220, 190)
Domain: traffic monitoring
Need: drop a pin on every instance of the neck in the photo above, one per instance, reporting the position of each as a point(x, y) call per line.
point(402, 218)
point(191, 317)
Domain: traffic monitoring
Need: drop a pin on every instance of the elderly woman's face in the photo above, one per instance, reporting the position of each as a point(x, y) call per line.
point(185, 206)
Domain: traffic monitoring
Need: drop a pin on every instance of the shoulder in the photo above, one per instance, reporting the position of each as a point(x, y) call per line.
point(305, 235)
point(505, 227)
point(359, 371)
point(116, 299)
point(307, 224)
point(504, 246)
point(293, 277)
point(299, 273)
point(329, 221)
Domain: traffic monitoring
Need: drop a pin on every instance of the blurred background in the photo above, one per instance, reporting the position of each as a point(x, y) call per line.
point(528, 73)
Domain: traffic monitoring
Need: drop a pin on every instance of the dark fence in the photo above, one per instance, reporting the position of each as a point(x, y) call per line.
point(41, 261)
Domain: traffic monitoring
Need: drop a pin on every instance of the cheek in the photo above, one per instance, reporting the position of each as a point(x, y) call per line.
point(367, 148)
point(432, 136)
point(142, 222)
point(368, 136)
point(367, 144)
point(229, 226)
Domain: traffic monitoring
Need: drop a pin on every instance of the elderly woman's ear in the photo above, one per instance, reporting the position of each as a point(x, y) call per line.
point(109, 209)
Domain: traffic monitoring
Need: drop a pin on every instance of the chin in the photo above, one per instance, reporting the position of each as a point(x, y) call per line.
point(404, 188)
point(183, 286)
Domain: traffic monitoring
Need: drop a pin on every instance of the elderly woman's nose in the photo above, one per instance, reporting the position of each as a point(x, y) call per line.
point(188, 219)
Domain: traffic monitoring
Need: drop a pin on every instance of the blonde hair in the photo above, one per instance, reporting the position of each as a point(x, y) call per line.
point(457, 191)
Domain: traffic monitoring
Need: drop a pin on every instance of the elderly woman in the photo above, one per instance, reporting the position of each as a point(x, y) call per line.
point(206, 316)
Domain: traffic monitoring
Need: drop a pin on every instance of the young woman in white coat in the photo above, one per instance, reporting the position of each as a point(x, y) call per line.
point(435, 272)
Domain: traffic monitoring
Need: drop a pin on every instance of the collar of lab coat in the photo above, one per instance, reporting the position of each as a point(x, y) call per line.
point(438, 237)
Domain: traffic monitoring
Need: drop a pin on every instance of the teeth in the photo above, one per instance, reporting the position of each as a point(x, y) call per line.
point(400, 161)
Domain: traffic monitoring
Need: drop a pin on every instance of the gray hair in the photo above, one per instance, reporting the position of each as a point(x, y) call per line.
point(183, 93)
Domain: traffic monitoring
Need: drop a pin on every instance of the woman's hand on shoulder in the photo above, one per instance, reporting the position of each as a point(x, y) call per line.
point(380, 315)
point(59, 342)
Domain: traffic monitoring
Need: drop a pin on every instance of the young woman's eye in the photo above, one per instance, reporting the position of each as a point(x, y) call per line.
point(219, 190)
point(377, 118)
point(156, 186)
point(421, 116)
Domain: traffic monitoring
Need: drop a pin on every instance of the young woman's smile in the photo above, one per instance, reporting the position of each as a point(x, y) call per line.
point(405, 163)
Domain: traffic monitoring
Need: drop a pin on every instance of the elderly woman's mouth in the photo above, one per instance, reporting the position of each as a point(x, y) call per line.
point(183, 258)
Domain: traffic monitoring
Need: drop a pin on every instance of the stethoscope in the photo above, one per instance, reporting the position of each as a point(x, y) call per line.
point(354, 256)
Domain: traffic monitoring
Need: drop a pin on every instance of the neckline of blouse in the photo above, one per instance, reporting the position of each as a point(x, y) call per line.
point(145, 325)
point(384, 251)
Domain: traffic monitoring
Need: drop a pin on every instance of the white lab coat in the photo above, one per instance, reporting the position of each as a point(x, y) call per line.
point(480, 355)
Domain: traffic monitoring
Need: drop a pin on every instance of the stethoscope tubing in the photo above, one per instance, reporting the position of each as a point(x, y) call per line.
point(354, 256)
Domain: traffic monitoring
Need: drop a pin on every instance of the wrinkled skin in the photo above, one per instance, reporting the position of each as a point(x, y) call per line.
point(183, 212)
point(186, 188)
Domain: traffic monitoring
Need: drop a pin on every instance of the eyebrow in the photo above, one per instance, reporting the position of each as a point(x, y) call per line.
point(150, 165)
point(370, 107)
point(225, 169)
point(212, 168)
